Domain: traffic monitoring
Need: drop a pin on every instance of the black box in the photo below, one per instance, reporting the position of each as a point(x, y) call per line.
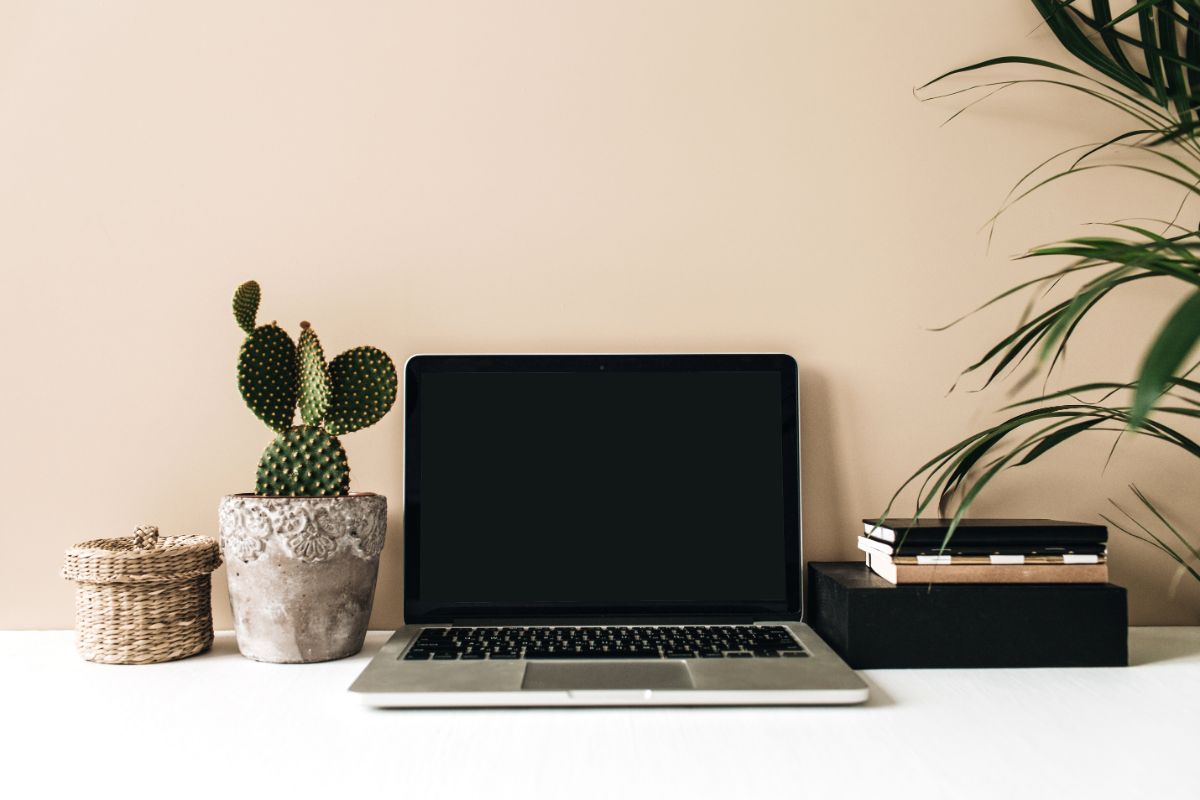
point(874, 624)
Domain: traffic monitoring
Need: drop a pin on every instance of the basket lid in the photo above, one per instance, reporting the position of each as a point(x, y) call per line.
point(144, 557)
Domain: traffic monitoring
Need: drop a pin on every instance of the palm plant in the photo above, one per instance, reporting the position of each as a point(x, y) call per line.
point(1145, 62)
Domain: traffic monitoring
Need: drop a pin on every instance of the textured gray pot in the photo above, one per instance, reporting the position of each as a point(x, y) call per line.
point(301, 573)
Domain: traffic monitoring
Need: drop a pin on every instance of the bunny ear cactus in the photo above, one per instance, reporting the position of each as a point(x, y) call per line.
point(350, 393)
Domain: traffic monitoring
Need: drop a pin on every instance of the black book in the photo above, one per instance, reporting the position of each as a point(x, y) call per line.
point(958, 548)
point(874, 624)
point(1035, 533)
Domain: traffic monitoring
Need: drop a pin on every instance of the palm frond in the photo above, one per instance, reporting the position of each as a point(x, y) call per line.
point(1143, 61)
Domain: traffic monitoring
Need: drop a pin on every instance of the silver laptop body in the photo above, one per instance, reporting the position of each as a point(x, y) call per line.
point(601, 530)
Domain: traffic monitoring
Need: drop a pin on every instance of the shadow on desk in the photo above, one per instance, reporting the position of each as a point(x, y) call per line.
point(223, 647)
point(1161, 645)
point(878, 697)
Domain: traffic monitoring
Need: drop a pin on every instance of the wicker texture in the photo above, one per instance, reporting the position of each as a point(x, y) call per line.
point(143, 599)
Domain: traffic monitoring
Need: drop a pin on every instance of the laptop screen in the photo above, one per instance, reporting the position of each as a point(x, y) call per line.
point(553, 486)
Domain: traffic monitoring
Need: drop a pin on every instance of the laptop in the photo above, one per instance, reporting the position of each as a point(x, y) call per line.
point(601, 530)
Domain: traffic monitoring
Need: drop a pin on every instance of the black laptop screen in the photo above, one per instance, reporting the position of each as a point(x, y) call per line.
point(593, 487)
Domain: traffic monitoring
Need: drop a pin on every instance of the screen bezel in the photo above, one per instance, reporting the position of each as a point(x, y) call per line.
point(418, 612)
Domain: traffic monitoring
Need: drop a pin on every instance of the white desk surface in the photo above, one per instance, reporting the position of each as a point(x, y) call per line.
point(218, 725)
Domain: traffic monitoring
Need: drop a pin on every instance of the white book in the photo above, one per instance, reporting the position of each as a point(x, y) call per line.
point(872, 546)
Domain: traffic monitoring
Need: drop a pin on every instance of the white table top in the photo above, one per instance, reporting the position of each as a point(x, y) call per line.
point(222, 726)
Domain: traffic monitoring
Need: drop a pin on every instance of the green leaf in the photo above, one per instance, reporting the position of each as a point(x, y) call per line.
point(1192, 549)
point(1057, 438)
point(1153, 62)
point(1102, 23)
point(1080, 304)
point(1130, 104)
point(1059, 18)
point(993, 62)
point(1177, 89)
point(1150, 537)
point(1136, 8)
point(1170, 347)
point(1071, 392)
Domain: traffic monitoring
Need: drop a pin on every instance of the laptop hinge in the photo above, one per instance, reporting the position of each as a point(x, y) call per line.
point(655, 620)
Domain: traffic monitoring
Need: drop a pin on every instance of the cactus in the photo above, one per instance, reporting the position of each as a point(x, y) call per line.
point(350, 393)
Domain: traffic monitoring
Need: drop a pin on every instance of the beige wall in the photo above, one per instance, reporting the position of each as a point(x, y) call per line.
point(520, 176)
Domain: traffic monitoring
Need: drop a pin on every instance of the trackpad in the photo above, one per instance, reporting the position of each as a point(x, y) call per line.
point(552, 677)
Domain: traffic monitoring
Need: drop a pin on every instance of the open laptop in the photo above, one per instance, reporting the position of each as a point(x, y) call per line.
point(603, 530)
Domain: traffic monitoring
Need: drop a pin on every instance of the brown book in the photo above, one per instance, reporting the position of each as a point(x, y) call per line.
point(884, 567)
point(998, 560)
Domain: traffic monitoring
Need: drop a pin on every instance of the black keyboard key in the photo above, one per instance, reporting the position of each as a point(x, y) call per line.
point(605, 642)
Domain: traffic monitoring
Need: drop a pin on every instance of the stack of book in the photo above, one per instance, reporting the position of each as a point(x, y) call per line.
point(986, 551)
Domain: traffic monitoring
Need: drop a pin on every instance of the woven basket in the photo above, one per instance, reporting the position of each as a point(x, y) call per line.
point(142, 599)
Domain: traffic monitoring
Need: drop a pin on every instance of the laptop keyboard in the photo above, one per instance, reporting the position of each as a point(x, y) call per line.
point(638, 642)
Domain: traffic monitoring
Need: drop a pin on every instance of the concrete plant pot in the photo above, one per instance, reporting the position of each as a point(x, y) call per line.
point(301, 573)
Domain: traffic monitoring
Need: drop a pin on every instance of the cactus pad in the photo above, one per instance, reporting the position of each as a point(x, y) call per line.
point(268, 376)
point(303, 461)
point(363, 382)
point(314, 377)
point(245, 305)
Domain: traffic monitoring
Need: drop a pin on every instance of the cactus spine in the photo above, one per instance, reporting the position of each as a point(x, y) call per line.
point(352, 392)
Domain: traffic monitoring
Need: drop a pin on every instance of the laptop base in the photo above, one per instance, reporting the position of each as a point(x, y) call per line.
point(822, 678)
